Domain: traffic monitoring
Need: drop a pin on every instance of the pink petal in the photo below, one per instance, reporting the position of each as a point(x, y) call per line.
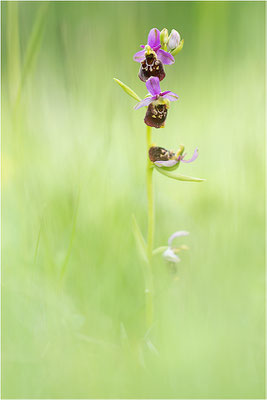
point(170, 96)
point(156, 48)
point(139, 56)
point(164, 57)
point(194, 156)
point(153, 39)
point(163, 93)
point(144, 102)
point(153, 86)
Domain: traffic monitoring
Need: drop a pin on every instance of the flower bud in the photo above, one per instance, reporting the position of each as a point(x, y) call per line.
point(164, 36)
point(178, 49)
point(174, 40)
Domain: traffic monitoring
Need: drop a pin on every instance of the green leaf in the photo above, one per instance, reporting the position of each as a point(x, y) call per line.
point(178, 49)
point(140, 241)
point(178, 177)
point(128, 90)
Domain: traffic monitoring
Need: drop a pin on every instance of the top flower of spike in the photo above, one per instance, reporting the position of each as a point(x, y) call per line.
point(153, 57)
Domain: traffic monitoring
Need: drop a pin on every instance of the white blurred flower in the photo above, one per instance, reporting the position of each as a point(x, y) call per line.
point(170, 256)
point(169, 253)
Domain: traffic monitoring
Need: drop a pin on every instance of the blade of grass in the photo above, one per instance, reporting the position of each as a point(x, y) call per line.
point(66, 260)
point(141, 244)
point(13, 49)
point(33, 46)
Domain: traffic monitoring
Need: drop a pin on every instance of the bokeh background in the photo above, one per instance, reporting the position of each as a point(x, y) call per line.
point(73, 173)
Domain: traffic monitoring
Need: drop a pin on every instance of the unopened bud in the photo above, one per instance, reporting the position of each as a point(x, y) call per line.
point(178, 49)
point(164, 36)
point(174, 40)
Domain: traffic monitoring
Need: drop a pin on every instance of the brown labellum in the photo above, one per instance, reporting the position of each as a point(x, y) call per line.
point(151, 66)
point(156, 115)
point(160, 154)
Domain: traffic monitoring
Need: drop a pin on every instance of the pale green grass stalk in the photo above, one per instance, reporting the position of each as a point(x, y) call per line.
point(37, 244)
point(150, 233)
point(33, 47)
point(73, 231)
point(13, 50)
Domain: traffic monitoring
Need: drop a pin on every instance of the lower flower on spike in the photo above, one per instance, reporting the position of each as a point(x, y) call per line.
point(167, 159)
point(158, 103)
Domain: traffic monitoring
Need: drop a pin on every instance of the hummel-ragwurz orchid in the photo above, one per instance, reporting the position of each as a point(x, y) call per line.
point(167, 158)
point(158, 103)
point(153, 57)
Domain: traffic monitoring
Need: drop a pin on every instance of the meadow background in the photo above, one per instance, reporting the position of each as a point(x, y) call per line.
point(73, 173)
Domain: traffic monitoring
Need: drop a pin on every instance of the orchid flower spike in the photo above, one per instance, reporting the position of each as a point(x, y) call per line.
point(167, 159)
point(169, 254)
point(158, 103)
point(152, 57)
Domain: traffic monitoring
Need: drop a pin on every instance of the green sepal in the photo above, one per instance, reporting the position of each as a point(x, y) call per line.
point(178, 177)
point(159, 250)
point(128, 90)
point(173, 168)
point(140, 241)
point(178, 49)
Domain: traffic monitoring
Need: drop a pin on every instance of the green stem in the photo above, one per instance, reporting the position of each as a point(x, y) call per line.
point(150, 234)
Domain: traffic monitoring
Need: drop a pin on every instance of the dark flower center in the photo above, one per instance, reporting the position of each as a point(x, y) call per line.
point(156, 114)
point(161, 108)
point(151, 62)
point(151, 66)
point(160, 154)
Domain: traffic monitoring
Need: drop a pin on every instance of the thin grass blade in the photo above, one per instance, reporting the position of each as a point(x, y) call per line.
point(140, 241)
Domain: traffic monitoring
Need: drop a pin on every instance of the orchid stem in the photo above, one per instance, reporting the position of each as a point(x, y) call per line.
point(150, 233)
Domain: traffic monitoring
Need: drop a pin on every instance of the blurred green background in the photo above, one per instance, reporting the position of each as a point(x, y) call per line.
point(73, 173)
